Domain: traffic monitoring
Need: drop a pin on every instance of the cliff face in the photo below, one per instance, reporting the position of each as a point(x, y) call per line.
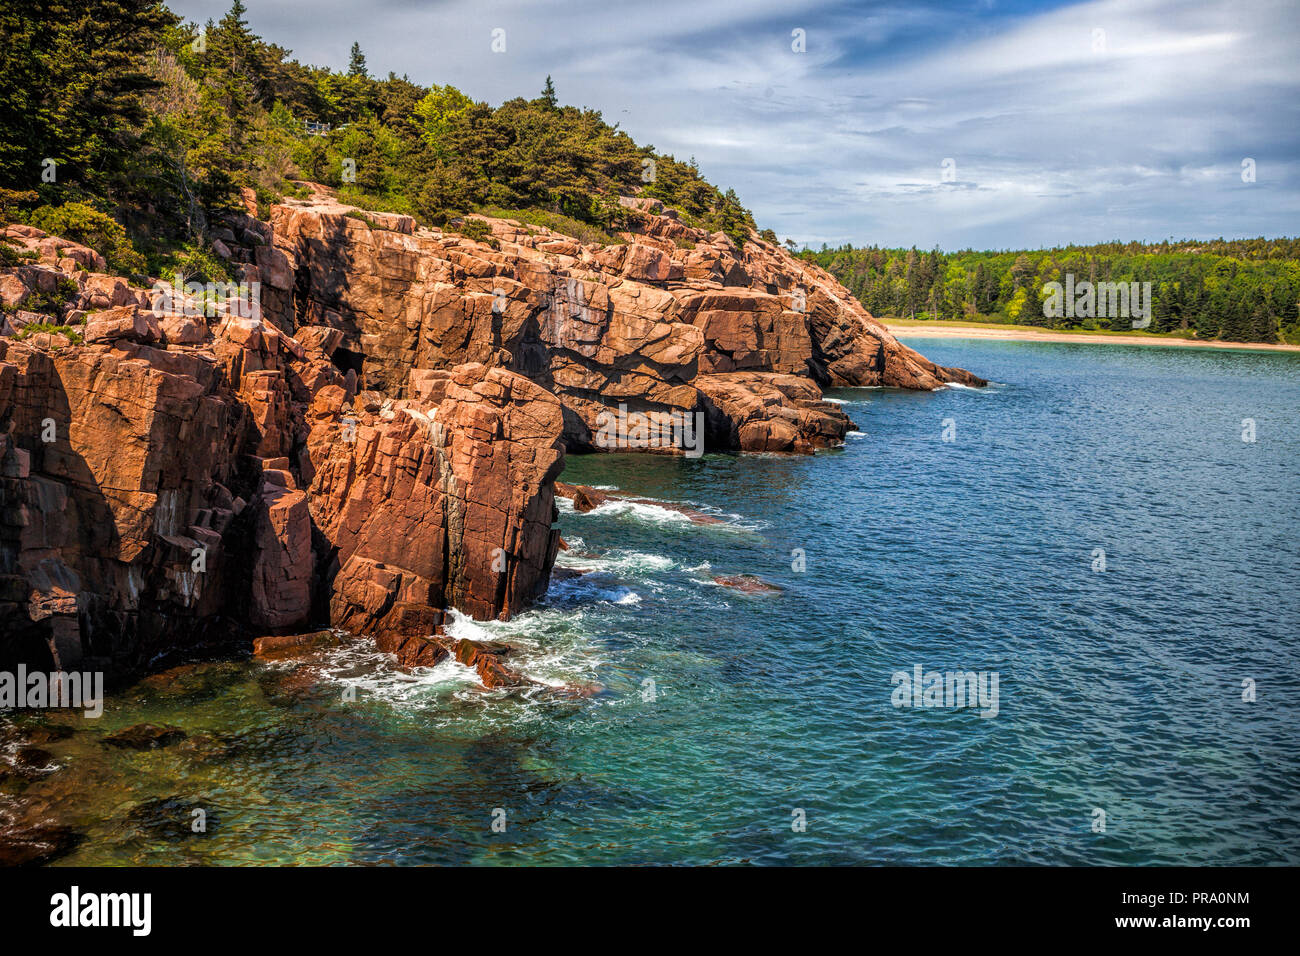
point(379, 439)
point(673, 320)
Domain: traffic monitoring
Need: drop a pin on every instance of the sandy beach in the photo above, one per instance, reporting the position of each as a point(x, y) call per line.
point(929, 330)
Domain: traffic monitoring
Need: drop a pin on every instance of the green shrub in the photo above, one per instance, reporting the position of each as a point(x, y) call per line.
point(47, 303)
point(11, 199)
point(265, 199)
point(90, 227)
point(474, 229)
point(9, 256)
point(362, 217)
point(202, 264)
point(73, 335)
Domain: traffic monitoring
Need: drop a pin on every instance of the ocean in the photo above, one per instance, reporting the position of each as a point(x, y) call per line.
point(1108, 533)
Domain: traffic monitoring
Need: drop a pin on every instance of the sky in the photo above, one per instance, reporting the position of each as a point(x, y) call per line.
point(984, 124)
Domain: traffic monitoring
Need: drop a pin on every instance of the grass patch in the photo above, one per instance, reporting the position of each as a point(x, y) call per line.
point(37, 327)
point(362, 217)
point(556, 222)
point(376, 202)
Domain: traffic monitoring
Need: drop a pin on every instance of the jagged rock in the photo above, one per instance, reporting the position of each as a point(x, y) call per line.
point(276, 646)
point(282, 563)
point(451, 500)
point(485, 658)
point(584, 498)
point(378, 439)
point(755, 411)
point(638, 324)
point(412, 651)
point(123, 322)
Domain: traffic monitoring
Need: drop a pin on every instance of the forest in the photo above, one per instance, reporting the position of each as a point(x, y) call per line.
point(125, 128)
point(1244, 290)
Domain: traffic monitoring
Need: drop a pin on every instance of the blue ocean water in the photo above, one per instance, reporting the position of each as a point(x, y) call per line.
point(725, 719)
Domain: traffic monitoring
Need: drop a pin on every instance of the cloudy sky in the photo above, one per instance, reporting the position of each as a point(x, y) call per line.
point(1064, 122)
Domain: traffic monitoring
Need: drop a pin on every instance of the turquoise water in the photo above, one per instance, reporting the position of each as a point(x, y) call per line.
point(1119, 690)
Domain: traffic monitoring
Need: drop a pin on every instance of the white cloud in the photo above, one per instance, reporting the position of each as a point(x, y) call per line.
point(1054, 141)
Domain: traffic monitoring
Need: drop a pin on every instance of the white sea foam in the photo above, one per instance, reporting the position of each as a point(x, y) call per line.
point(374, 673)
point(462, 626)
point(855, 434)
point(959, 387)
point(652, 514)
point(626, 562)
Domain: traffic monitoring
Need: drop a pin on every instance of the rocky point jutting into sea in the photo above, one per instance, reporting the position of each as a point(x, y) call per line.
point(380, 440)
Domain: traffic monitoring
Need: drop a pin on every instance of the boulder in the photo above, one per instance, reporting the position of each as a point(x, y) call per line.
point(122, 322)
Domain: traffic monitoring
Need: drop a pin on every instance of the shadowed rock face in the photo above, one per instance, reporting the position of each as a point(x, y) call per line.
point(379, 439)
point(670, 321)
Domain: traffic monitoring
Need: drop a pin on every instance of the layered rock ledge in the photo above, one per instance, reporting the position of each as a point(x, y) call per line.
point(377, 438)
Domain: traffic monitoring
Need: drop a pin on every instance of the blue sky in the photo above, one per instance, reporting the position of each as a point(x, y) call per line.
point(1065, 122)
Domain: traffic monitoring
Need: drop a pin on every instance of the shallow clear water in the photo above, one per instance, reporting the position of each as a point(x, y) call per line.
point(1119, 690)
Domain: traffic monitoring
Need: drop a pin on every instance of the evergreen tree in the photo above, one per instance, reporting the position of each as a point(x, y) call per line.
point(357, 62)
point(72, 82)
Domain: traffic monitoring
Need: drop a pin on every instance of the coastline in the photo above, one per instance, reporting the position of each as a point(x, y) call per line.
point(927, 330)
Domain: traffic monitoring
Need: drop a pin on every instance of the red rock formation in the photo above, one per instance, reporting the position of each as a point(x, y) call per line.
point(441, 499)
point(374, 435)
point(646, 324)
point(158, 491)
point(769, 412)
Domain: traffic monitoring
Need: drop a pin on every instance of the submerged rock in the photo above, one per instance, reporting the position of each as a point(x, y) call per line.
point(145, 737)
point(207, 746)
point(747, 583)
point(172, 819)
point(33, 758)
point(37, 844)
point(47, 733)
point(191, 683)
point(586, 498)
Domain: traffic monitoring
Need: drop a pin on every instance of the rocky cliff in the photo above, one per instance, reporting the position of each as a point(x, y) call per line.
point(377, 438)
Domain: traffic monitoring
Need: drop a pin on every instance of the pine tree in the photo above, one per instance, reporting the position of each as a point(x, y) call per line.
point(548, 94)
point(70, 98)
point(357, 62)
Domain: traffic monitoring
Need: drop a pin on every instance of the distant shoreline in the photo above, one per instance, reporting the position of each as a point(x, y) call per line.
point(932, 330)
